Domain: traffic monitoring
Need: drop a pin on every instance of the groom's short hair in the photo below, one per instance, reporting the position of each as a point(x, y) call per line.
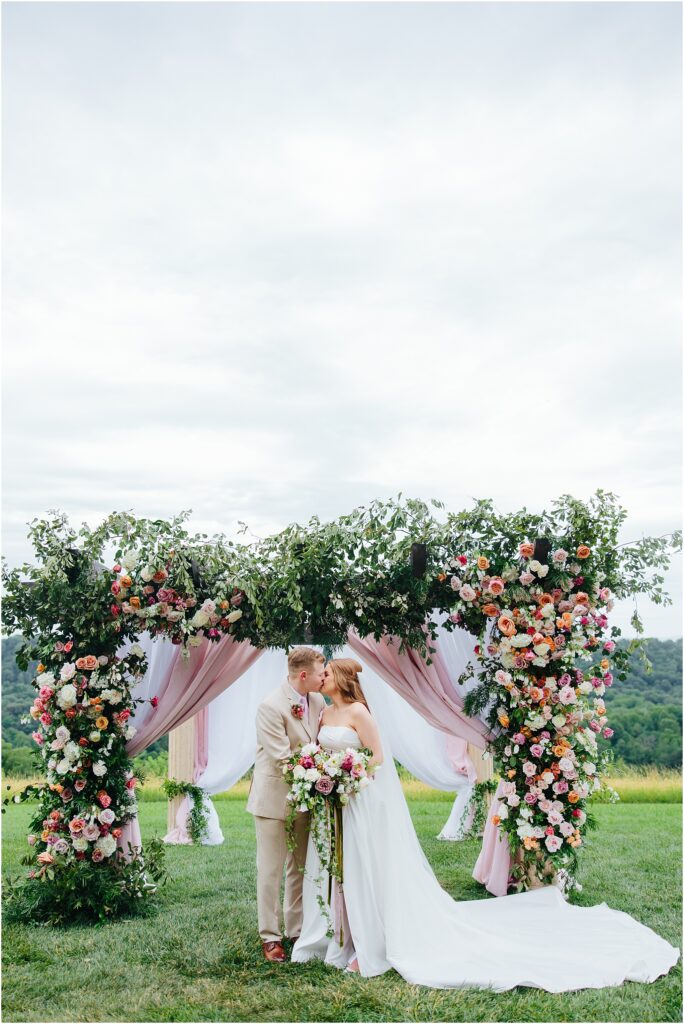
point(302, 659)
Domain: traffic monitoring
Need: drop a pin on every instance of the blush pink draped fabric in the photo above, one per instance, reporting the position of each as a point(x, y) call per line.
point(493, 866)
point(427, 688)
point(188, 686)
point(457, 752)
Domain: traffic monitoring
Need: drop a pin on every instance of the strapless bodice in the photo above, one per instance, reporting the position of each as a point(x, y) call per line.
point(338, 737)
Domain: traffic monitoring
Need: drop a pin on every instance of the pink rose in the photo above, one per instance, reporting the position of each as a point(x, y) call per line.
point(526, 578)
point(324, 785)
point(38, 738)
point(131, 784)
point(594, 726)
point(466, 593)
point(607, 733)
point(519, 738)
point(553, 843)
point(104, 799)
point(154, 701)
point(76, 826)
point(496, 586)
point(560, 787)
point(31, 840)
point(536, 750)
point(347, 764)
point(98, 855)
point(91, 832)
point(79, 785)
point(46, 693)
point(46, 718)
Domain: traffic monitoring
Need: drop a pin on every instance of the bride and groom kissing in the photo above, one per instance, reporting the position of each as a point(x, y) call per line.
point(393, 913)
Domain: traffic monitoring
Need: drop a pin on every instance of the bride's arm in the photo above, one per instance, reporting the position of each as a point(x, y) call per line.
point(364, 723)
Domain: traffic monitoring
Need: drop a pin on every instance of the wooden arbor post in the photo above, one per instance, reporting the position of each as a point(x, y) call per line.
point(181, 762)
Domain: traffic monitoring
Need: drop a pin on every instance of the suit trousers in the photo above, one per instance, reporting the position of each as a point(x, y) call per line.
point(272, 856)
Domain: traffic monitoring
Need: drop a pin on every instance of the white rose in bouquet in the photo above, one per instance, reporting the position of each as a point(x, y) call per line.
point(67, 671)
point(99, 768)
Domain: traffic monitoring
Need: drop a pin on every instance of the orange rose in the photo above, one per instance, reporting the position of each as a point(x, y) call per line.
point(573, 797)
point(58, 787)
point(44, 835)
point(45, 858)
point(535, 693)
point(441, 577)
point(101, 722)
point(160, 575)
point(41, 668)
point(511, 773)
point(506, 625)
point(559, 750)
point(605, 664)
point(496, 820)
point(490, 610)
point(134, 602)
point(581, 598)
point(504, 719)
point(583, 551)
point(86, 664)
point(551, 642)
point(482, 562)
point(530, 843)
point(125, 581)
point(526, 550)
point(94, 701)
point(545, 599)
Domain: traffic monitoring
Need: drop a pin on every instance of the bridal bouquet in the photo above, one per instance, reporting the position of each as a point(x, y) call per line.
point(321, 782)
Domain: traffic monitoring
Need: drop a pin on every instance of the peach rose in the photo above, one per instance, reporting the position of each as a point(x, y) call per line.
point(545, 599)
point(160, 575)
point(496, 586)
point(496, 820)
point(506, 625)
point(101, 722)
point(482, 562)
point(583, 551)
point(504, 719)
point(134, 602)
point(526, 550)
point(581, 598)
point(573, 797)
point(45, 858)
point(490, 610)
point(87, 664)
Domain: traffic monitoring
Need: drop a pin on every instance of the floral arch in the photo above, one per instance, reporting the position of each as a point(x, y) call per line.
point(534, 590)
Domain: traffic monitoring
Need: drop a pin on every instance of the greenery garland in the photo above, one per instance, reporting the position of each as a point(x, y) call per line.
point(198, 821)
point(478, 806)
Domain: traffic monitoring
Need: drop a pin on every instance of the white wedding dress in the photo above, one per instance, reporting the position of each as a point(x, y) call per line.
point(400, 917)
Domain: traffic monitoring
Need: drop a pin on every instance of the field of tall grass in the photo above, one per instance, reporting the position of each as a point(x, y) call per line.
point(634, 785)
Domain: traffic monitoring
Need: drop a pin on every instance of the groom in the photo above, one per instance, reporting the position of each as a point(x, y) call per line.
point(285, 720)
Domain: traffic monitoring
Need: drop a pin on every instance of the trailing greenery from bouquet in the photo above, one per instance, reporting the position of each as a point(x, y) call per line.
point(92, 591)
point(198, 821)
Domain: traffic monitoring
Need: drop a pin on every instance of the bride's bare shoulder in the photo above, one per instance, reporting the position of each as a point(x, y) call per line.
point(359, 711)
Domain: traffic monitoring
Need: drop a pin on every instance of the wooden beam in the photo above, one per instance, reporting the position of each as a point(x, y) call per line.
point(181, 761)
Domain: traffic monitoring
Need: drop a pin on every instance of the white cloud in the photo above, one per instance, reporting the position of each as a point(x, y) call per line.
point(267, 261)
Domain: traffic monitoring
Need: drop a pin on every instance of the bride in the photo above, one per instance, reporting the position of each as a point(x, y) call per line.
point(396, 915)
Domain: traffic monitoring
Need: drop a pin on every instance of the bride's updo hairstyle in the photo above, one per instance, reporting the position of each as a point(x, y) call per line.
point(346, 675)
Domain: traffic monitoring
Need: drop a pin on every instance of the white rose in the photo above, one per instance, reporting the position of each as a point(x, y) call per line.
point(299, 772)
point(534, 565)
point(106, 816)
point(209, 606)
point(566, 765)
point(542, 571)
point(67, 696)
point(130, 732)
point(199, 619)
point(503, 812)
point(312, 774)
point(521, 640)
point(585, 687)
point(107, 844)
point(558, 721)
point(146, 574)
point(137, 650)
point(95, 736)
point(589, 767)
point(67, 671)
point(234, 615)
point(72, 750)
point(63, 766)
point(80, 844)
point(548, 611)
point(466, 593)
point(344, 799)
point(63, 734)
point(99, 768)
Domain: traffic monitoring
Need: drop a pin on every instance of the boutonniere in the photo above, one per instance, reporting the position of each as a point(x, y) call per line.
point(297, 709)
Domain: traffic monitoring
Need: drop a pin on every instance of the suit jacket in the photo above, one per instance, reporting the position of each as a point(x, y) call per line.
point(279, 732)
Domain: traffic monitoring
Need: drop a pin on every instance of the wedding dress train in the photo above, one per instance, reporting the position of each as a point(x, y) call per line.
point(398, 916)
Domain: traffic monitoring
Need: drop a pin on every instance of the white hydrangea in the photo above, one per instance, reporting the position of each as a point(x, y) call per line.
point(107, 844)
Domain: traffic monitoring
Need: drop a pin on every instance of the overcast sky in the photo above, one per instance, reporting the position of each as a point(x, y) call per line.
point(267, 261)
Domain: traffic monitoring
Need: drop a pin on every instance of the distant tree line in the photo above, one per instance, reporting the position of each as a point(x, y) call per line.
point(645, 712)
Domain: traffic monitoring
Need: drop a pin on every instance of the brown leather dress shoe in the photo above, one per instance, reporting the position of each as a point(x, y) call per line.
point(274, 952)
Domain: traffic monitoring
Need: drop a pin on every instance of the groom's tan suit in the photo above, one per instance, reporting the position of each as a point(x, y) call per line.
point(279, 732)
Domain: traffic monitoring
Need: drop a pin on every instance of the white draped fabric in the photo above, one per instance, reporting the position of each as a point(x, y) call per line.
point(422, 749)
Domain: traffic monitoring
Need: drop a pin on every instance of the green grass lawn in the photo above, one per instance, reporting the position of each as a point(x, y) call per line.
point(198, 957)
